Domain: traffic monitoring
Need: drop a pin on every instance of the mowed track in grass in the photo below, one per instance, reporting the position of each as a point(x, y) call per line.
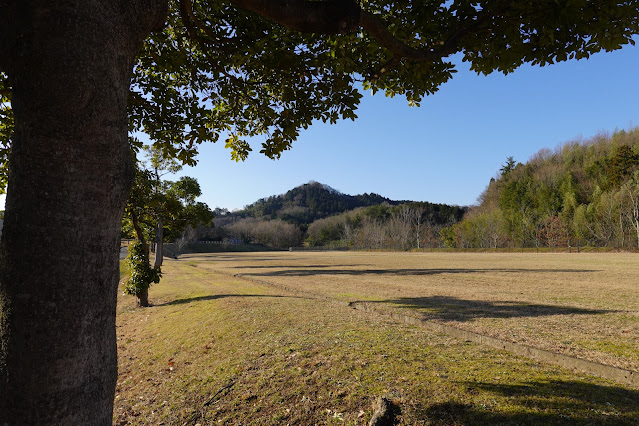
point(217, 349)
point(582, 305)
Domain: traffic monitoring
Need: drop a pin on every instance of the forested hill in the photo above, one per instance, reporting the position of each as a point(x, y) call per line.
point(311, 201)
point(582, 192)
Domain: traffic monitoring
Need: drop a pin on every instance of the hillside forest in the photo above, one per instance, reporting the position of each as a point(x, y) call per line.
point(582, 193)
point(316, 215)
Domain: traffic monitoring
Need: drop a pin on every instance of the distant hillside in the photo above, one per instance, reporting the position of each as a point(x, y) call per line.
point(314, 214)
point(580, 193)
point(311, 201)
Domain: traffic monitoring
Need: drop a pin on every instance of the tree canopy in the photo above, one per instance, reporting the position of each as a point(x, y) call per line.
point(247, 68)
point(213, 69)
point(171, 204)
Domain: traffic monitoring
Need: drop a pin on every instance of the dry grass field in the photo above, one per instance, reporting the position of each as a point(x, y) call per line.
point(221, 350)
point(584, 305)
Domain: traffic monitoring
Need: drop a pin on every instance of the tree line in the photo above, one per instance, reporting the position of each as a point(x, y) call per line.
point(381, 226)
point(583, 192)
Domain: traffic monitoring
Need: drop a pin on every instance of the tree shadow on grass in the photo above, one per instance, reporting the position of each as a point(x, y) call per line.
point(446, 308)
point(306, 267)
point(542, 403)
point(217, 296)
point(302, 272)
point(216, 257)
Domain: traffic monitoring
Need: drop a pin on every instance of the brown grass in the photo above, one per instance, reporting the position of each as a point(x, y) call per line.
point(584, 305)
point(219, 350)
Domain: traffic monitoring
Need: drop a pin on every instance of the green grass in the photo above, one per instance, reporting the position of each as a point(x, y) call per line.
point(124, 270)
point(216, 349)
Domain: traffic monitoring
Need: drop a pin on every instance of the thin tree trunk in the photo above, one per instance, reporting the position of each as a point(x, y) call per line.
point(139, 233)
point(159, 253)
point(143, 298)
point(69, 65)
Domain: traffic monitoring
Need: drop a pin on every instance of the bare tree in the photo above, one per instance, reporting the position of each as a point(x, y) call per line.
point(418, 224)
point(631, 190)
point(400, 227)
point(187, 238)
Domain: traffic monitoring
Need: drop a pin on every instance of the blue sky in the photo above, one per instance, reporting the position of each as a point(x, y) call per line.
point(447, 150)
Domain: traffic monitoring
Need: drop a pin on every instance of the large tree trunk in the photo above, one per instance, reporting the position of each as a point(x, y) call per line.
point(69, 64)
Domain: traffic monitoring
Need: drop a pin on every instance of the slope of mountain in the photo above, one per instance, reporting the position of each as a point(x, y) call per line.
point(311, 201)
point(582, 192)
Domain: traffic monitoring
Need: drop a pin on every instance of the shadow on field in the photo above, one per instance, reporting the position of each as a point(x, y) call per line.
point(557, 403)
point(235, 258)
point(300, 266)
point(218, 296)
point(292, 272)
point(448, 308)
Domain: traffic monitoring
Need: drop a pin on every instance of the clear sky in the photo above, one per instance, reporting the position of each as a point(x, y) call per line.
point(447, 150)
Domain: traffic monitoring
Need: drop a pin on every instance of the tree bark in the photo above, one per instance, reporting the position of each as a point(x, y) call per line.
point(143, 298)
point(159, 247)
point(69, 64)
point(138, 229)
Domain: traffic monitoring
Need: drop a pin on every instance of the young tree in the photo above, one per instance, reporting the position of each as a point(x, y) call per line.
point(141, 274)
point(156, 206)
point(67, 66)
point(447, 236)
point(508, 167)
point(418, 211)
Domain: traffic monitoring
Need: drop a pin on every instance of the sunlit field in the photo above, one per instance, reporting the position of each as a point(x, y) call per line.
point(585, 305)
point(242, 350)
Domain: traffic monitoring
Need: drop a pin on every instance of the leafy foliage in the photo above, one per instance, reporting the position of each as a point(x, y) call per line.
point(212, 70)
point(582, 191)
point(174, 203)
point(217, 68)
point(141, 274)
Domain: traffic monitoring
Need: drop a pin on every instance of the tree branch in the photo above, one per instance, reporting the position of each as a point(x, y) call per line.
point(376, 28)
point(322, 17)
point(339, 16)
point(189, 18)
point(136, 226)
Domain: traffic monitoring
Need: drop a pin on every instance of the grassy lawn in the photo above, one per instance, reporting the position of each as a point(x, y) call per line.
point(124, 271)
point(215, 349)
point(584, 305)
